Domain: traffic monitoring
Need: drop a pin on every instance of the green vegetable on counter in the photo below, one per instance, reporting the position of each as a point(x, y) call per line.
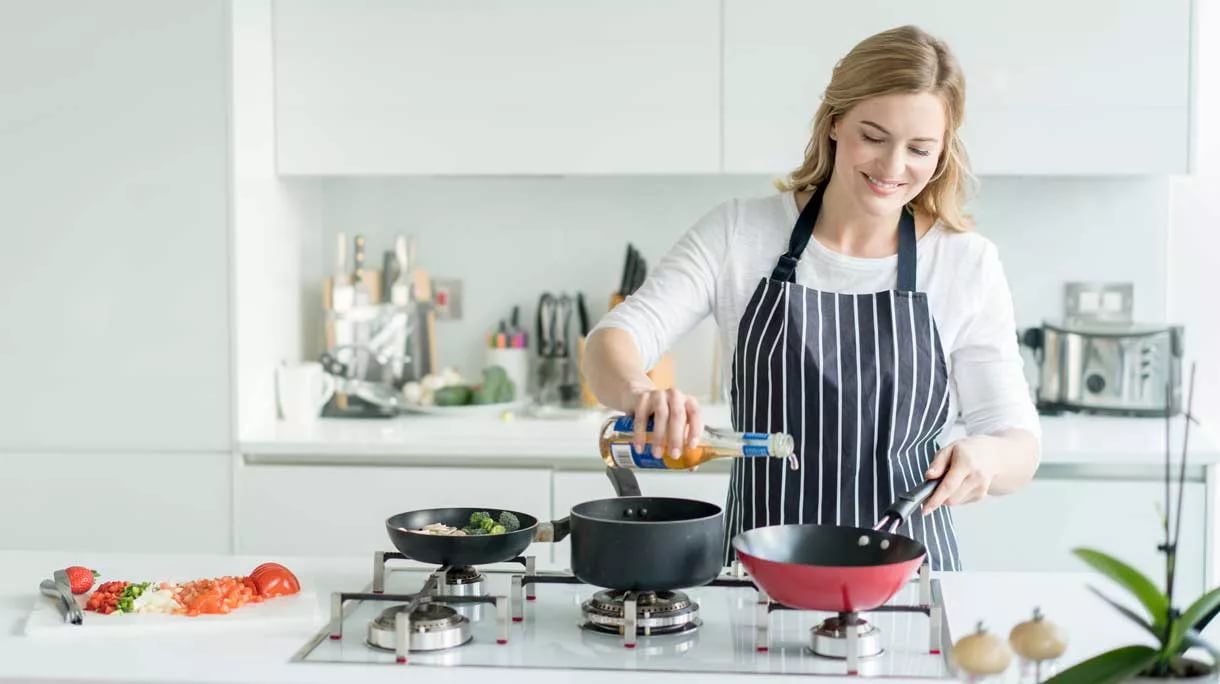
point(130, 594)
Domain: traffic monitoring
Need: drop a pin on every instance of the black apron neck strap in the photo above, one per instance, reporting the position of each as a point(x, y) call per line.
point(785, 270)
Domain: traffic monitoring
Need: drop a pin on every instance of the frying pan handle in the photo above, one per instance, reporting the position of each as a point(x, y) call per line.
point(906, 504)
point(553, 531)
point(624, 482)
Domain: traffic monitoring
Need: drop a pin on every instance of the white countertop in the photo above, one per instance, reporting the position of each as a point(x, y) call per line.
point(998, 599)
point(571, 442)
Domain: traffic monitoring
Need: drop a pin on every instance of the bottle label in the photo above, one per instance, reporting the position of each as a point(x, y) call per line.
point(625, 456)
point(752, 450)
point(627, 424)
point(755, 436)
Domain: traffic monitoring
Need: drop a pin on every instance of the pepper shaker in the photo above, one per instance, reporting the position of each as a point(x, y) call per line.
point(981, 655)
point(1038, 643)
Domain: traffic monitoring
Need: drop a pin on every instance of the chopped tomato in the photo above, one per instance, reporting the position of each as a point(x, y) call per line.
point(105, 599)
point(273, 579)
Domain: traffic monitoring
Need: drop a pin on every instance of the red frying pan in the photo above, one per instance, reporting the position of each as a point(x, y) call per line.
point(832, 568)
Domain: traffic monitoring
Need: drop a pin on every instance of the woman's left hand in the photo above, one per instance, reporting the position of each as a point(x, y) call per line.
point(966, 468)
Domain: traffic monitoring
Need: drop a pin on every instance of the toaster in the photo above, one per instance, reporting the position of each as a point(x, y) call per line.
point(1107, 368)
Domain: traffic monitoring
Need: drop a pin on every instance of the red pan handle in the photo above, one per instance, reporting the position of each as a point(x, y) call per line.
point(905, 505)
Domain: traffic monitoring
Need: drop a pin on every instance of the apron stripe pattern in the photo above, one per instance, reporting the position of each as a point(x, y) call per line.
point(861, 383)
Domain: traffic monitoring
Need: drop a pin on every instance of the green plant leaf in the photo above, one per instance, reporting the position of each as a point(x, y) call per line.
point(1190, 617)
point(1109, 667)
point(1134, 581)
point(1194, 638)
point(1130, 614)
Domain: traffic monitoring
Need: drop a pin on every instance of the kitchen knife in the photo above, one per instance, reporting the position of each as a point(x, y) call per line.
point(582, 314)
point(624, 281)
point(341, 294)
point(400, 290)
point(546, 325)
point(389, 274)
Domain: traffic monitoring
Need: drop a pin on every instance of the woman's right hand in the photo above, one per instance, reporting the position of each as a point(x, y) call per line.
point(677, 420)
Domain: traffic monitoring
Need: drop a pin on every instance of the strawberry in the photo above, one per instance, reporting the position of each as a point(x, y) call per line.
point(80, 578)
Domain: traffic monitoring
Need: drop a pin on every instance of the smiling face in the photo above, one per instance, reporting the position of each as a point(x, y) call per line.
point(887, 149)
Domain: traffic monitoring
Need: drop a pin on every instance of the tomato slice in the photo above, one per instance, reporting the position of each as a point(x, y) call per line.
point(273, 579)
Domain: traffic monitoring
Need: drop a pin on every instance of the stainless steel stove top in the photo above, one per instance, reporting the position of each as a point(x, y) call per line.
point(508, 616)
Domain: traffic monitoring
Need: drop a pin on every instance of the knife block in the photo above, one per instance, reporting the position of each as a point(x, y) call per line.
point(663, 374)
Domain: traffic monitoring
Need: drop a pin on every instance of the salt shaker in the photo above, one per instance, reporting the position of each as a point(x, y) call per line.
point(1038, 643)
point(981, 655)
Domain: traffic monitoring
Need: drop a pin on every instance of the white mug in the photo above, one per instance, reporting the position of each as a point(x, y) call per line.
point(302, 390)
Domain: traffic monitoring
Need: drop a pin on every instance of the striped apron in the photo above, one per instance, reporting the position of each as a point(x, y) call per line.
point(861, 384)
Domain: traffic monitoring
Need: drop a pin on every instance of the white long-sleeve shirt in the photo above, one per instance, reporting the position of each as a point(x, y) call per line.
point(715, 267)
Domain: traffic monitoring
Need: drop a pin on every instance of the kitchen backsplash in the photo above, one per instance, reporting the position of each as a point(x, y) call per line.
point(509, 239)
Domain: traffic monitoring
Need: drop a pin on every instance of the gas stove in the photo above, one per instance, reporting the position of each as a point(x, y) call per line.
point(511, 615)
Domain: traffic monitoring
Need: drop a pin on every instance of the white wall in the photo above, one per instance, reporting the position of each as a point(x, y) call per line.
point(511, 238)
point(274, 221)
point(1194, 244)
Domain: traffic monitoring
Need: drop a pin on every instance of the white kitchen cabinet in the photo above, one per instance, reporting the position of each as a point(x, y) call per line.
point(1088, 87)
point(572, 488)
point(116, 502)
point(1036, 528)
point(114, 153)
point(341, 510)
point(536, 87)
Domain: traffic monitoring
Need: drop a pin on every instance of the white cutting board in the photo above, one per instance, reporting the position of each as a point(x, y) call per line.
point(283, 614)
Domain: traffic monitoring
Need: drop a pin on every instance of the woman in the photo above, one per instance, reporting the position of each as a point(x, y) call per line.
point(862, 313)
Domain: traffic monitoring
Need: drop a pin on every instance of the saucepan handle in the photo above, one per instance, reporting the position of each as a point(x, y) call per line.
point(554, 531)
point(906, 504)
point(624, 482)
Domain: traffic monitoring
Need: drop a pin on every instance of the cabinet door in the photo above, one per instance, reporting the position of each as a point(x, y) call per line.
point(338, 510)
point(1036, 528)
point(543, 86)
point(572, 488)
point(1052, 87)
point(114, 159)
point(115, 502)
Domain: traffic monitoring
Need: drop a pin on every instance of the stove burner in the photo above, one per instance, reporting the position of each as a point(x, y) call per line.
point(462, 581)
point(656, 613)
point(433, 627)
point(830, 637)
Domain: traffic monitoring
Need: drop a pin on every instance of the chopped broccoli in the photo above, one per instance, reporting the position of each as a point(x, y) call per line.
point(509, 521)
point(477, 518)
point(497, 529)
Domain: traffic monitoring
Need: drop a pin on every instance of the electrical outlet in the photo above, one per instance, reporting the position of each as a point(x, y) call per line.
point(447, 298)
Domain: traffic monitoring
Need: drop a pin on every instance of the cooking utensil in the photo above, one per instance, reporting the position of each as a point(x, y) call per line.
point(563, 322)
point(342, 296)
point(71, 611)
point(546, 324)
point(65, 587)
point(640, 273)
point(441, 549)
point(643, 543)
point(582, 314)
point(400, 289)
point(832, 568)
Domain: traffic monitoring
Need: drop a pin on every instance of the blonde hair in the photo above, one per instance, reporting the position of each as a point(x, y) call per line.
point(901, 60)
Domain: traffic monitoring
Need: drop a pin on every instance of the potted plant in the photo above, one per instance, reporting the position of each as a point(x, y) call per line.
point(1174, 631)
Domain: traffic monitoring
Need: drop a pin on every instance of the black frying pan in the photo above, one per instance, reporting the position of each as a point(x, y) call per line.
point(441, 549)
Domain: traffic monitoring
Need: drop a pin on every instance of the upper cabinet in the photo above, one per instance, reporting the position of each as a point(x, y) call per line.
point(1090, 87)
point(534, 87)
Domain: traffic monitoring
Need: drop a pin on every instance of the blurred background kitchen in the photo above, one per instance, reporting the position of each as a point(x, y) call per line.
point(184, 185)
